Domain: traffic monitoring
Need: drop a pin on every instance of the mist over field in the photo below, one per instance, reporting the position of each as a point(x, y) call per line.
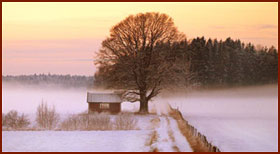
point(235, 119)
point(227, 101)
point(27, 98)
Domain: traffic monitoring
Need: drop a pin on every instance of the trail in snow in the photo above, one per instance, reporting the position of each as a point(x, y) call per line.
point(180, 139)
point(169, 137)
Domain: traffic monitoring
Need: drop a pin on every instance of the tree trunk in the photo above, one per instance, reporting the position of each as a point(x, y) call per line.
point(144, 107)
point(143, 103)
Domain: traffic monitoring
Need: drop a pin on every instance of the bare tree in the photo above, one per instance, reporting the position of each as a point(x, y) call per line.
point(46, 117)
point(138, 56)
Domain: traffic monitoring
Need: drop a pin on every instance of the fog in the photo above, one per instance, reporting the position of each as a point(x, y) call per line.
point(260, 101)
point(234, 119)
point(256, 101)
point(27, 98)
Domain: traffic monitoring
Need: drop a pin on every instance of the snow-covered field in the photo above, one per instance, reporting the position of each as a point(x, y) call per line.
point(119, 141)
point(236, 119)
point(168, 136)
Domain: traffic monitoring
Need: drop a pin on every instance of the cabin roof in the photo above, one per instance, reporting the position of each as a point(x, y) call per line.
point(103, 97)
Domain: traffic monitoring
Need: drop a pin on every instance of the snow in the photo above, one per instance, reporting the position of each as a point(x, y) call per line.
point(169, 136)
point(144, 121)
point(236, 119)
point(180, 140)
point(98, 141)
point(164, 143)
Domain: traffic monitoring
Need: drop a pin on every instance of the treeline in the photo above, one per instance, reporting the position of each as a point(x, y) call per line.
point(230, 62)
point(44, 79)
point(206, 63)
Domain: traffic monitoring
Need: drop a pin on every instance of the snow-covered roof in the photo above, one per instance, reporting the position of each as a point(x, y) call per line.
point(103, 97)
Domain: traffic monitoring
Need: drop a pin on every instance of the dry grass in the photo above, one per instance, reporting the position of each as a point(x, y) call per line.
point(125, 121)
point(153, 136)
point(170, 133)
point(153, 139)
point(155, 122)
point(176, 149)
point(94, 121)
point(99, 121)
point(155, 150)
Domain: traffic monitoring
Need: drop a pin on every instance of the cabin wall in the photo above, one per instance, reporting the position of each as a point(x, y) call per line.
point(95, 107)
point(115, 107)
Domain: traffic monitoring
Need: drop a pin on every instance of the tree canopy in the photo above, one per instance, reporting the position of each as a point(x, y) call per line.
point(138, 55)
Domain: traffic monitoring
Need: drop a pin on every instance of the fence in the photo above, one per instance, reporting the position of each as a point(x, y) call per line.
point(198, 141)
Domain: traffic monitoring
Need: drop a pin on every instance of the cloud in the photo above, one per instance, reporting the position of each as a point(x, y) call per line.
point(259, 38)
point(86, 60)
point(268, 26)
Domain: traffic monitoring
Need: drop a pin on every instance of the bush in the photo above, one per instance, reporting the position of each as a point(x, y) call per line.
point(23, 122)
point(73, 122)
point(4, 123)
point(11, 119)
point(46, 117)
point(14, 121)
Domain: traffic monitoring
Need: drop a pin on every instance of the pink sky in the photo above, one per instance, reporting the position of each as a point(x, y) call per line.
point(61, 38)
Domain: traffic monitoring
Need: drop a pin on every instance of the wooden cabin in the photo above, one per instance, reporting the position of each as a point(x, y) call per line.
point(104, 102)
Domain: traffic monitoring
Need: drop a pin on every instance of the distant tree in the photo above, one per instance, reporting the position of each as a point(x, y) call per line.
point(138, 56)
point(46, 117)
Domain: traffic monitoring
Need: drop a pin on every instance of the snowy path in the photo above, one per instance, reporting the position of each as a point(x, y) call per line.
point(168, 137)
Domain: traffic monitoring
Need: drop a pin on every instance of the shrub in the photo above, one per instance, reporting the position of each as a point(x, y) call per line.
point(46, 117)
point(23, 122)
point(11, 119)
point(4, 123)
point(73, 122)
point(14, 121)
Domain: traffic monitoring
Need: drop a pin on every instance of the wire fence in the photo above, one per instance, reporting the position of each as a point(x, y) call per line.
point(198, 141)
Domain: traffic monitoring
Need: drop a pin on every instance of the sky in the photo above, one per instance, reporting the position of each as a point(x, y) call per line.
point(61, 38)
